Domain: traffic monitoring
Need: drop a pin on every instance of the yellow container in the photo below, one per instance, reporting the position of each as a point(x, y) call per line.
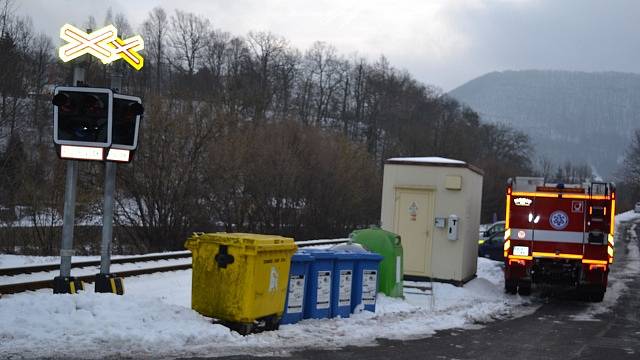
point(240, 278)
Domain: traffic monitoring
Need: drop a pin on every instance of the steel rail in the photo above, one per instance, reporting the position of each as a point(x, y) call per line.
point(80, 264)
point(44, 284)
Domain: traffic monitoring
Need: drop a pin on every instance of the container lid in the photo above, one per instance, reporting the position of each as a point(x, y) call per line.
point(301, 257)
point(345, 255)
point(349, 255)
point(242, 240)
point(374, 234)
point(369, 256)
point(320, 253)
point(349, 247)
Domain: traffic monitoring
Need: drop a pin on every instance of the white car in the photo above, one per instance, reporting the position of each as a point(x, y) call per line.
point(637, 207)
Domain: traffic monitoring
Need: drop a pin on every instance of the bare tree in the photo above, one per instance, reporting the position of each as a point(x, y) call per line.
point(40, 61)
point(7, 10)
point(188, 39)
point(159, 200)
point(246, 131)
point(154, 30)
point(267, 52)
point(326, 72)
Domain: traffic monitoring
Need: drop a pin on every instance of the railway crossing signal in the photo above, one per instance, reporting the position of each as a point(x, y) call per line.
point(103, 44)
point(82, 116)
point(94, 124)
point(127, 111)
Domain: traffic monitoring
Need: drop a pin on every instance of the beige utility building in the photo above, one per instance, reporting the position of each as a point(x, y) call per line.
point(434, 204)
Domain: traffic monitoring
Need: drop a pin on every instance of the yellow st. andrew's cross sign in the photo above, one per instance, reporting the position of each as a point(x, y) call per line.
point(103, 44)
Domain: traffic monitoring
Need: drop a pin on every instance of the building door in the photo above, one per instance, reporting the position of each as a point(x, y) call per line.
point(414, 223)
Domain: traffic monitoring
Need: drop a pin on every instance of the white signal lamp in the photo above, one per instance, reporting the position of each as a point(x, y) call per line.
point(81, 152)
point(119, 155)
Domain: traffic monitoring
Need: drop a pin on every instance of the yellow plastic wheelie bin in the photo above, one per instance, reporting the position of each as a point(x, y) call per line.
point(240, 279)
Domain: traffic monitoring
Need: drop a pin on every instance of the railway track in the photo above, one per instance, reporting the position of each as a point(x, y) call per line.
point(44, 284)
point(81, 264)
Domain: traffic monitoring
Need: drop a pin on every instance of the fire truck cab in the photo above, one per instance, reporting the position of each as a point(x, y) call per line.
point(559, 234)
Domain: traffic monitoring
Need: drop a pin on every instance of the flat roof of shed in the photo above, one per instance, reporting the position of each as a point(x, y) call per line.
point(433, 161)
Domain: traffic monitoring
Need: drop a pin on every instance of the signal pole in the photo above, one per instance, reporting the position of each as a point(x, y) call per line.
point(65, 284)
point(105, 282)
point(107, 217)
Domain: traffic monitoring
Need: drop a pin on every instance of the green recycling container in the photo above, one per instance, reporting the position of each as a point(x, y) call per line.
point(388, 245)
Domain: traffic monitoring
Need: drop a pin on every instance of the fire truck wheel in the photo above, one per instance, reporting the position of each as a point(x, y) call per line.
point(597, 296)
point(524, 288)
point(511, 286)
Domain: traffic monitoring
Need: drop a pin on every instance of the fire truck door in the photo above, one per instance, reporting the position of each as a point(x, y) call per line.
point(558, 225)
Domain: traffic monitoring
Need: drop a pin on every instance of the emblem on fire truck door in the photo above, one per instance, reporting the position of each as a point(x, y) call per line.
point(558, 220)
point(577, 206)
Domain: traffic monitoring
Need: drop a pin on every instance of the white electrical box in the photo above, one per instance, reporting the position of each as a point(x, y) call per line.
point(452, 231)
point(439, 222)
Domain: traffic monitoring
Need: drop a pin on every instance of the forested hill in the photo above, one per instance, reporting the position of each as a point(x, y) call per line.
point(569, 115)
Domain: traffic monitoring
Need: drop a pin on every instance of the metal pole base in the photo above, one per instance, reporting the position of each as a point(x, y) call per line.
point(67, 285)
point(107, 283)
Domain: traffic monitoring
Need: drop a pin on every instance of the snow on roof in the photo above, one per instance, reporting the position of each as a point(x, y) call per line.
point(433, 161)
point(430, 160)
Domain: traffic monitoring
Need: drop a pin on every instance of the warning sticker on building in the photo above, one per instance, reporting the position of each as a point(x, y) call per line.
point(296, 294)
point(369, 286)
point(346, 277)
point(324, 290)
point(413, 211)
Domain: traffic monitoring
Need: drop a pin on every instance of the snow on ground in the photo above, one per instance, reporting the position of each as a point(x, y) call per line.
point(91, 270)
point(153, 319)
point(620, 274)
point(627, 216)
point(8, 261)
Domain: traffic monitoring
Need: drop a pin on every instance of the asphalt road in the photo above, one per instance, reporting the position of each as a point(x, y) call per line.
point(559, 329)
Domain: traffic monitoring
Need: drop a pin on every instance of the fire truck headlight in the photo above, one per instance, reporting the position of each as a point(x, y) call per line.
point(535, 221)
point(530, 217)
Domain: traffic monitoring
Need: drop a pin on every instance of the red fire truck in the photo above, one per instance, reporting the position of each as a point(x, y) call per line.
point(559, 234)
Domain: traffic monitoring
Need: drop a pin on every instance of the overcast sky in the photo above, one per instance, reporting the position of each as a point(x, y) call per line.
point(442, 43)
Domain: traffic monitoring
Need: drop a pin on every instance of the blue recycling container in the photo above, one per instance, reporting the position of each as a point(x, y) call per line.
point(365, 280)
point(318, 304)
point(297, 289)
point(341, 293)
